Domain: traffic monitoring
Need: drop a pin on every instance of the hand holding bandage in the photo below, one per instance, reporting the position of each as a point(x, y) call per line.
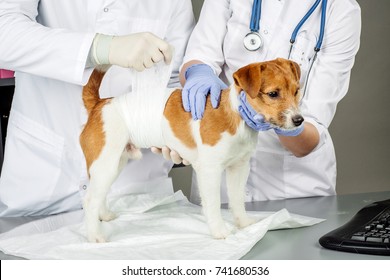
point(138, 51)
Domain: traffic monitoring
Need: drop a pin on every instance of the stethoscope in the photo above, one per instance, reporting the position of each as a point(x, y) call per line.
point(253, 41)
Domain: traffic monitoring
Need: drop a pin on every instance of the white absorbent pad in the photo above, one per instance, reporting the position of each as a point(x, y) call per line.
point(149, 226)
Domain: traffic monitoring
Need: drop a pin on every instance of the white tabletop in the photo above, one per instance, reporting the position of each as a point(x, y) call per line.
point(300, 243)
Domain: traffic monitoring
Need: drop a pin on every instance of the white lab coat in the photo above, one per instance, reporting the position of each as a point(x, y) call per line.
point(218, 41)
point(47, 43)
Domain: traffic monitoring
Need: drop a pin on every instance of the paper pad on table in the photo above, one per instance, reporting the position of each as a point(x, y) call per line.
point(149, 226)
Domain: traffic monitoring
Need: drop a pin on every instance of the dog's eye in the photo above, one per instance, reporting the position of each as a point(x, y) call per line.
point(273, 94)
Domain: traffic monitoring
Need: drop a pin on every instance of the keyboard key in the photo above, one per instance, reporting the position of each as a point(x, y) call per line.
point(374, 239)
point(358, 237)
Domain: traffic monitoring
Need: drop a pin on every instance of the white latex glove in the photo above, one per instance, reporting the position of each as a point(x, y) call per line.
point(169, 154)
point(138, 51)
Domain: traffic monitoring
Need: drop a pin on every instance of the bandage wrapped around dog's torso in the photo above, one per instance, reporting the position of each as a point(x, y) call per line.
point(143, 107)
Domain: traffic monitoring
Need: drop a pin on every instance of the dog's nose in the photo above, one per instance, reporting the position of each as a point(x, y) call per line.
point(297, 120)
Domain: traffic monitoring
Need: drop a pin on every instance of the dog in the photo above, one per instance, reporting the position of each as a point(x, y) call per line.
point(220, 141)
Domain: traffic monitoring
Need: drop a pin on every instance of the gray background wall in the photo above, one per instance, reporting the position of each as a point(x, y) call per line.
point(361, 127)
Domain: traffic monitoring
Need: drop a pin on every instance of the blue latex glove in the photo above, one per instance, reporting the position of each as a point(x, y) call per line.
point(250, 116)
point(200, 81)
point(256, 121)
point(290, 132)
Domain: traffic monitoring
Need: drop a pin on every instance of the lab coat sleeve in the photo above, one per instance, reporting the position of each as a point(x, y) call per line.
point(30, 47)
point(206, 41)
point(179, 30)
point(329, 78)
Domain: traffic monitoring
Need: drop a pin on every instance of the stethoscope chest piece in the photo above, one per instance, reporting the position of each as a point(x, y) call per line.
point(253, 41)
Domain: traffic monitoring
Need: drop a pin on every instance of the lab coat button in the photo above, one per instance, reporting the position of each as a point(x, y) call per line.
point(265, 31)
point(105, 10)
point(84, 187)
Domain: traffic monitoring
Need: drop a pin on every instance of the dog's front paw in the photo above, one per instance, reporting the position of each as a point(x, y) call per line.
point(220, 233)
point(243, 222)
point(96, 238)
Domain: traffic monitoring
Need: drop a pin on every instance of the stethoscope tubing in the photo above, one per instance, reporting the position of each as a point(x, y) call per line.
point(303, 20)
point(256, 16)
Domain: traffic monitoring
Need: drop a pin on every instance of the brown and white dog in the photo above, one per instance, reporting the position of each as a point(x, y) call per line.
point(220, 141)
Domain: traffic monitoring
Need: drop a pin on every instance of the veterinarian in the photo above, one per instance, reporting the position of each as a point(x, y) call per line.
point(233, 33)
point(53, 47)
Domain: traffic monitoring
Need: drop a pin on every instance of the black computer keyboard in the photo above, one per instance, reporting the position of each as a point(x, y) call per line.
point(368, 232)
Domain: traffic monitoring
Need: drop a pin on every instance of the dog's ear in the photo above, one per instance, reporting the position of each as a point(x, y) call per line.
point(295, 69)
point(249, 78)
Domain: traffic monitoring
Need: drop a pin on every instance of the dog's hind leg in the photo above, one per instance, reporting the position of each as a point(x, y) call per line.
point(95, 207)
point(103, 171)
point(236, 179)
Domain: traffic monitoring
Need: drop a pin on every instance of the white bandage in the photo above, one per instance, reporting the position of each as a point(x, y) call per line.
point(143, 107)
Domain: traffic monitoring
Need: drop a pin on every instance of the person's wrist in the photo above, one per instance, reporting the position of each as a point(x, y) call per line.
point(195, 68)
point(101, 49)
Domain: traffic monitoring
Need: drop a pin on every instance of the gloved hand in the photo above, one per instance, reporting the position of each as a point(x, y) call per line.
point(250, 116)
point(256, 121)
point(200, 81)
point(138, 51)
point(290, 132)
point(169, 154)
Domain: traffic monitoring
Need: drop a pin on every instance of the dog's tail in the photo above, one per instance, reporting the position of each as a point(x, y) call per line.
point(91, 89)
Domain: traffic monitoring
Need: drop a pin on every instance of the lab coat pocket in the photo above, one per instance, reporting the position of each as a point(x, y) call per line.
point(33, 157)
point(302, 53)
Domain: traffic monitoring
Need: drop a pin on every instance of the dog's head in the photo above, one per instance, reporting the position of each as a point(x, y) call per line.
point(272, 89)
